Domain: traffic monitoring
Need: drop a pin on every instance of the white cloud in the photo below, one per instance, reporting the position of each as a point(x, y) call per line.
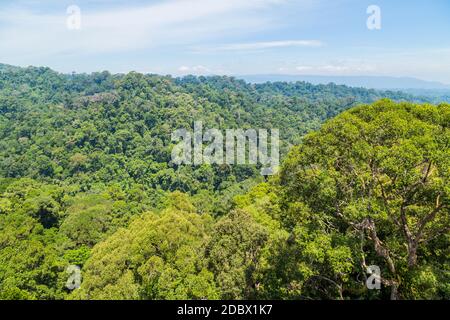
point(302, 68)
point(196, 70)
point(249, 46)
point(337, 68)
point(184, 69)
point(175, 22)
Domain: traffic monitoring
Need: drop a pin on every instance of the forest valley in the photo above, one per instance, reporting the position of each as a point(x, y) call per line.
point(86, 179)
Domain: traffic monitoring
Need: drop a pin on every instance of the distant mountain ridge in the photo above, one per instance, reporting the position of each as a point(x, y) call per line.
point(373, 82)
point(431, 91)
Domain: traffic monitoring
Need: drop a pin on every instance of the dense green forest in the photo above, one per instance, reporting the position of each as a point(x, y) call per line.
point(86, 179)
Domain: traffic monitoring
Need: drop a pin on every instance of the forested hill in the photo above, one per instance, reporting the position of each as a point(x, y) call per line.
point(101, 128)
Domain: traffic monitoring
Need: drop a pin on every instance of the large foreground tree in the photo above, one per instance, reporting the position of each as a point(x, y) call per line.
point(380, 175)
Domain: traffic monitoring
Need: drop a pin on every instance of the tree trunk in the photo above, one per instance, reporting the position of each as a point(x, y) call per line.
point(394, 291)
point(412, 254)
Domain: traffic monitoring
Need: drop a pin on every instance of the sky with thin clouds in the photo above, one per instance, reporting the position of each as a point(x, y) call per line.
point(234, 37)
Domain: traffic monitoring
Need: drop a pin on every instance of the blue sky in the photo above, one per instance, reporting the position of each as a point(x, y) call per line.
point(233, 37)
